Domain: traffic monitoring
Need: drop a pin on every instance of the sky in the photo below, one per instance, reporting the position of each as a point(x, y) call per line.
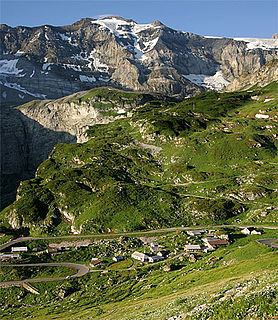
point(242, 18)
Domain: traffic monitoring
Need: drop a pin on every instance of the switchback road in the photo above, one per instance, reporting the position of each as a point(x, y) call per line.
point(81, 271)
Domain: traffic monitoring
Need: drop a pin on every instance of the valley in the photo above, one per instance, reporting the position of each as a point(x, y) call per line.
point(139, 174)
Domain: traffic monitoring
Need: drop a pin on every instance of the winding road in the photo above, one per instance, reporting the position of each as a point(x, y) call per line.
point(23, 239)
point(83, 269)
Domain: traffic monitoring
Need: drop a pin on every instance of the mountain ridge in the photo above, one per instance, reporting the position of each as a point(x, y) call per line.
point(120, 53)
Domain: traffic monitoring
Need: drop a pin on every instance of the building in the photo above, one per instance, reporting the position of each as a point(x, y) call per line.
point(51, 250)
point(192, 247)
point(6, 256)
point(213, 243)
point(155, 258)
point(140, 256)
point(154, 246)
point(250, 230)
point(94, 262)
point(118, 258)
point(195, 232)
point(19, 249)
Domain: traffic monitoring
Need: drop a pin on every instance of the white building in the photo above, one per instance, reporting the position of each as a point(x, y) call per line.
point(250, 231)
point(19, 249)
point(154, 246)
point(195, 232)
point(4, 256)
point(140, 256)
point(118, 258)
point(192, 247)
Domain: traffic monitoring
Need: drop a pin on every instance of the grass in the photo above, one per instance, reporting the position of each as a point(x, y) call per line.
point(199, 161)
point(240, 276)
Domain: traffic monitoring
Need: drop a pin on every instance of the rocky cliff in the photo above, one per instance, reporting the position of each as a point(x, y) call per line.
point(49, 62)
point(261, 77)
point(29, 132)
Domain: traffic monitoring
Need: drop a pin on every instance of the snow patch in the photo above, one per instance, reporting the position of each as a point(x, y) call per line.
point(105, 79)
point(19, 53)
point(255, 43)
point(69, 39)
point(130, 31)
point(33, 72)
point(9, 67)
point(4, 94)
point(215, 82)
point(72, 66)
point(87, 79)
point(46, 66)
point(19, 88)
point(99, 66)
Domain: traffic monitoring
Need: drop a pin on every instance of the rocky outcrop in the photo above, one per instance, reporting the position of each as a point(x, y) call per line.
point(25, 143)
point(50, 62)
point(29, 132)
point(262, 77)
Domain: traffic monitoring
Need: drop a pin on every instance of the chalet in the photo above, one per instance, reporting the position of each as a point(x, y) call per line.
point(51, 250)
point(192, 247)
point(140, 256)
point(19, 249)
point(6, 256)
point(195, 232)
point(118, 258)
point(213, 243)
point(155, 258)
point(94, 262)
point(154, 246)
point(250, 230)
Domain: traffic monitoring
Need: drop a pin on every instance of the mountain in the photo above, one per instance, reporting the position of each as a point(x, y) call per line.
point(50, 62)
point(151, 163)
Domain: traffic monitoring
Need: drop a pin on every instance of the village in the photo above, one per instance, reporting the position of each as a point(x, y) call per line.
point(102, 253)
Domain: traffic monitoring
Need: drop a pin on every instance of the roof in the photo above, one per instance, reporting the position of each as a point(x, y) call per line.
point(95, 261)
point(19, 248)
point(192, 247)
point(196, 232)
point(218, 242)
point(139, 254)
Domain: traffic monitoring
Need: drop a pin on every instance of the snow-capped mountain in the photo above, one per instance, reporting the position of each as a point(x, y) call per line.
point(50, 62)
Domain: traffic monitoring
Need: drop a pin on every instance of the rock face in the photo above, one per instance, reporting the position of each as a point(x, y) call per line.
point(50, 62)
point(262, 77)
point(29, 132)
point(25, 143)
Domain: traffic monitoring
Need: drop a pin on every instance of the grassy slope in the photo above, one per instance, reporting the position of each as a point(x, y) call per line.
point(217, 163)
point(242, 283)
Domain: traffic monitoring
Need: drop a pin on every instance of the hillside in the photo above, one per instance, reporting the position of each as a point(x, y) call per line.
point(238, 281)
point(209, 159)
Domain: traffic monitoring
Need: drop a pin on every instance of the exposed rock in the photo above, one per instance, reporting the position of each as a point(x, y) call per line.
point(49, 62)
point(261, 77)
